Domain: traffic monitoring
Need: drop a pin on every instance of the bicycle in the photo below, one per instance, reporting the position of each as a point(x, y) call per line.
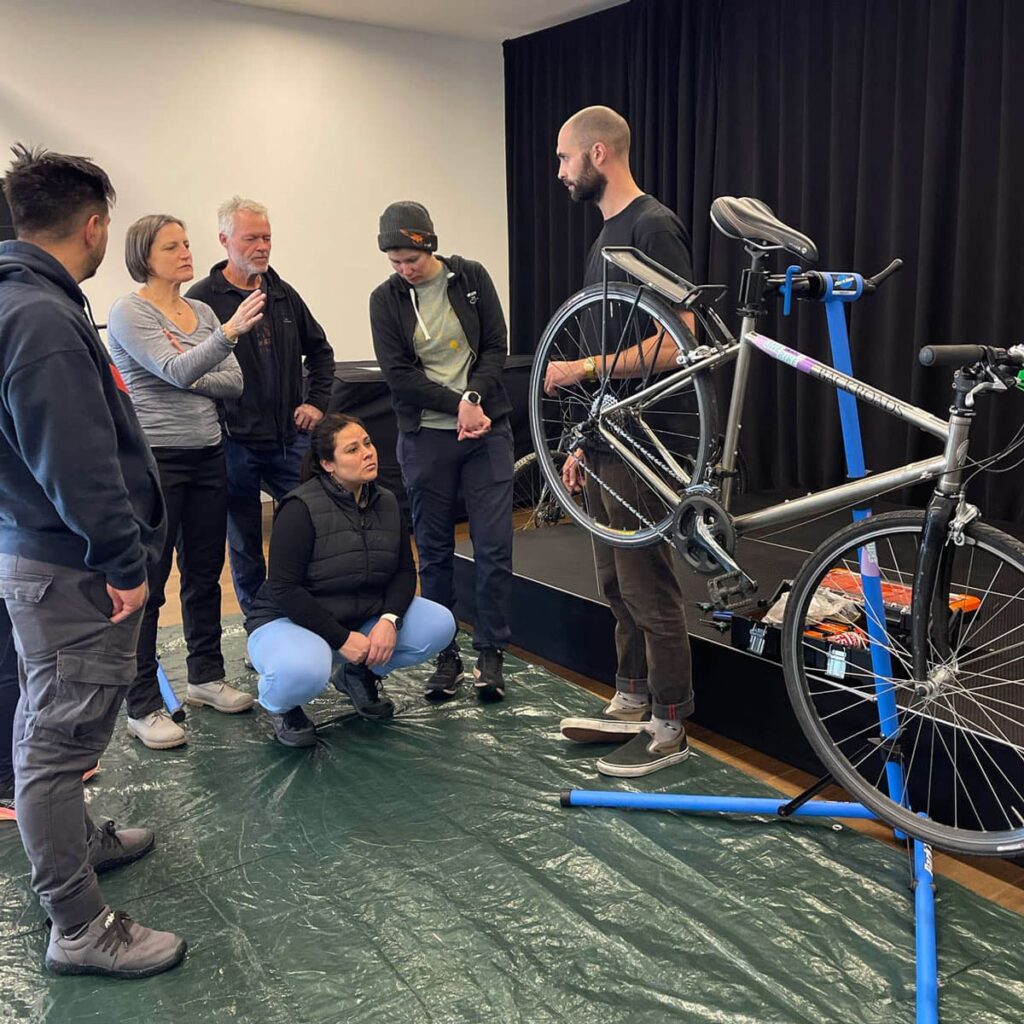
point(534, 507)
point(923, 720)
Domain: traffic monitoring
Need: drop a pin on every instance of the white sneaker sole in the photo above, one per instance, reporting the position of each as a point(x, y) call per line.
point(599, 730)
point(633, 771)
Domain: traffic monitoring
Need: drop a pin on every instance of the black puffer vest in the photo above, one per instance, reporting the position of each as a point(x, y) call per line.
point(355, 553)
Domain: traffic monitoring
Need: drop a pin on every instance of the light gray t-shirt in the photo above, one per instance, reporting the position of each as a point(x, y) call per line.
point(174, 392)
point(444, 349)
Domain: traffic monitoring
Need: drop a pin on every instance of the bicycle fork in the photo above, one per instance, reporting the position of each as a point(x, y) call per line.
point(929, 608)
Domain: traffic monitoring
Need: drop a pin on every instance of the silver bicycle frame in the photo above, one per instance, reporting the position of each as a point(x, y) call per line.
point(946, 465)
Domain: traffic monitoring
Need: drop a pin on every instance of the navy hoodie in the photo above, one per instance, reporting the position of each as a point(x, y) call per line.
point(78, 485)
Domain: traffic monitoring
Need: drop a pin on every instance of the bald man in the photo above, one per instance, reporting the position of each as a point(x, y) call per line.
point(654, 690)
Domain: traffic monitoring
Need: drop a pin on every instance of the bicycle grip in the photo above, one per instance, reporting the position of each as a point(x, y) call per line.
point(951, 355)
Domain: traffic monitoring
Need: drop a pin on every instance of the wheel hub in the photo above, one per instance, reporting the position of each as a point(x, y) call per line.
point(940, 679)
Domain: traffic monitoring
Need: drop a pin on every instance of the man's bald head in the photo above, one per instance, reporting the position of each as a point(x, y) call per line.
point(599, 124)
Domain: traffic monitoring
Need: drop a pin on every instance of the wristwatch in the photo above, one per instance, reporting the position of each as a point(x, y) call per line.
point(590, 368)
point(395, 620)
point(473, 397)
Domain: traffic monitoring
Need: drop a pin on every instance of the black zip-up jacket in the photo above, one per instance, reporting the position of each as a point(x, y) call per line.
point(264, 414)
point(78, 484)
point(393, 323)
point(334, 563)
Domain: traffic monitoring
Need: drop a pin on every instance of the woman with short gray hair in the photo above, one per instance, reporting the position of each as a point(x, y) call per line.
point(177, 364)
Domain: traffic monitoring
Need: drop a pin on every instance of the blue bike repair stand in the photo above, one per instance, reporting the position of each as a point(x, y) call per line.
point(840, 289)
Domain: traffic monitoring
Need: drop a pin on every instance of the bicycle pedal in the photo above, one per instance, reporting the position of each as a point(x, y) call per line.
point(731, 590)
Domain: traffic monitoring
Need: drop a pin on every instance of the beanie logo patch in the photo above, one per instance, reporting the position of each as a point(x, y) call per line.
point(416, 236)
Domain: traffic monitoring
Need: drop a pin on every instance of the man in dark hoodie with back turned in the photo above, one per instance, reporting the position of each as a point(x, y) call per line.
point(81, 517)
point(440, 338)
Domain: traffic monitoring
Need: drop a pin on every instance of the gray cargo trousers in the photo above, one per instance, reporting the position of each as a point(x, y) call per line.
point(74, 666)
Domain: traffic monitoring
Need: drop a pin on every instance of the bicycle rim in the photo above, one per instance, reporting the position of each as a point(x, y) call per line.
point(941, 760)
point(630, 500)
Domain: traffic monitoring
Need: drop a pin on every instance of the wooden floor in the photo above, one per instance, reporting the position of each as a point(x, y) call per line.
point(997, 880)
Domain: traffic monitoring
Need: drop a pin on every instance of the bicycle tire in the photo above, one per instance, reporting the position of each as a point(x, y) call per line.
point(956, 752)
point(672, 437)
point(533, 505)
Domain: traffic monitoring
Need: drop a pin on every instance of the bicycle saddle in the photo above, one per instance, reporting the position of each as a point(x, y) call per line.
point(752, 221)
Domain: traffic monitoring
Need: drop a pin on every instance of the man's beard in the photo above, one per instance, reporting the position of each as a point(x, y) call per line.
point(590, 185)
point(93, 263)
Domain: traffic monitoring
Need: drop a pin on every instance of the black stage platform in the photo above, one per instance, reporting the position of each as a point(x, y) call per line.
point(558, 614)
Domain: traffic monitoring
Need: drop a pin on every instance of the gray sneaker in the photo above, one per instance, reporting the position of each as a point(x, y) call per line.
point(114, 945)
point(642, 756)
point(110, 847)
point(294, 728)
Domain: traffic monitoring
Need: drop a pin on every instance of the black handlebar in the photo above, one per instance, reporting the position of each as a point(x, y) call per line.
point(969, 355)
point(952, 355)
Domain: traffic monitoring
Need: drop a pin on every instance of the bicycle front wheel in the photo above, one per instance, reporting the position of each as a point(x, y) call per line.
point(534, 507)
point(941, 759)
point(643, 445)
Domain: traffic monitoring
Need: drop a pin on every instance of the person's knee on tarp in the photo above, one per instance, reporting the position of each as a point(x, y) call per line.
point(339, 602)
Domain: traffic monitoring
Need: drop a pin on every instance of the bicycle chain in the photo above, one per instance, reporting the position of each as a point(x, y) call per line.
point(643, 451)
point(629, 508)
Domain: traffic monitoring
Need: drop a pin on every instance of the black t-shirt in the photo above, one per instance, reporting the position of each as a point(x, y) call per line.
point(646, 225)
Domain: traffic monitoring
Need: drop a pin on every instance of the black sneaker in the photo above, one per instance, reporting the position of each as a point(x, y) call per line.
point(363, 688)
point(114, 945)
point(110, 847)
point(487, 677)
point(447, 677)
point(293, 728)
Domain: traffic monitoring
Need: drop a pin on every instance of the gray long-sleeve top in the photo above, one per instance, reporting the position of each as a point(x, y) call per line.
point(174, 392)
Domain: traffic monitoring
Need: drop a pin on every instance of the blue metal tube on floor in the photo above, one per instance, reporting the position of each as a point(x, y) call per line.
point(685, 802)
point(927, 957)
point(171, 701)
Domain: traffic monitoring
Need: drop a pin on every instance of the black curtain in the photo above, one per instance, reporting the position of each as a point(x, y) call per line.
point(6, 227)
point(881, 128)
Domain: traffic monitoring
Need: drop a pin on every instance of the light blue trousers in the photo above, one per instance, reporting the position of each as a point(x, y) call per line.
point(295, 664)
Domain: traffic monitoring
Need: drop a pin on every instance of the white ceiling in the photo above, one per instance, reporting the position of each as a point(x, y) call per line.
point(490, 20)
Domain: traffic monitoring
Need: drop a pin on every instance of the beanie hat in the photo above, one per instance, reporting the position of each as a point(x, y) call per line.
point(406, 225)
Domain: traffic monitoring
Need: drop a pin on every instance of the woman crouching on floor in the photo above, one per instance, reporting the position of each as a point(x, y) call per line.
point(338, 605)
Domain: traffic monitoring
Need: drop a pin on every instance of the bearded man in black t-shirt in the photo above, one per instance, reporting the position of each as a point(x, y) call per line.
point(654, 689)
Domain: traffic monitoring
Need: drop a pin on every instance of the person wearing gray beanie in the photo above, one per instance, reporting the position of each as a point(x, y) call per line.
point(406, 226)
point(440, 339)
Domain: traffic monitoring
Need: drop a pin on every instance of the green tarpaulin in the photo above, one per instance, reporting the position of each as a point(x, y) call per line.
point(423, 871)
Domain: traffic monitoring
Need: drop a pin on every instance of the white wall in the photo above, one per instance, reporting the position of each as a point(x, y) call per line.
point(326, 122)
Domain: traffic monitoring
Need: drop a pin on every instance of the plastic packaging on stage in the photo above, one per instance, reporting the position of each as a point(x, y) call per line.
point(422, 872)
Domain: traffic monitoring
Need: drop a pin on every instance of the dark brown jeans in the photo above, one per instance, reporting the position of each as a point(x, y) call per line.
point(640, 584)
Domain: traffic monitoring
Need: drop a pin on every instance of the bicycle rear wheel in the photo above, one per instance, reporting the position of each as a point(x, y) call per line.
point(669, 436)
point(941, 759)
